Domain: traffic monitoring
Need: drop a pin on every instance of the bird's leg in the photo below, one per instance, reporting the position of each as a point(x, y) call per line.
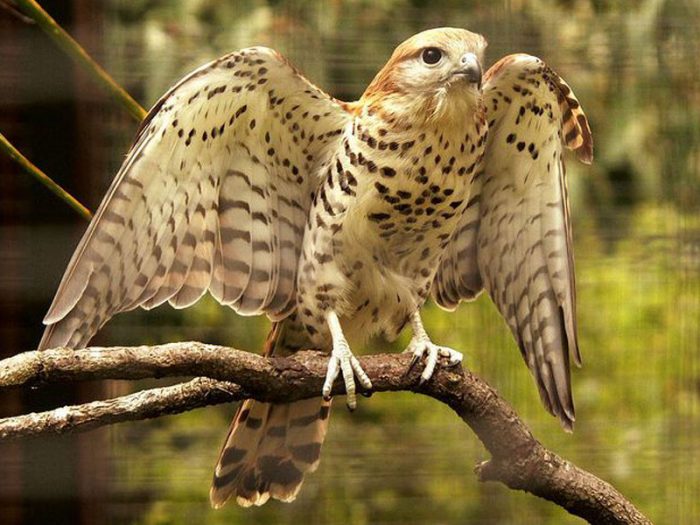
point(421, 345)
point(343, 360)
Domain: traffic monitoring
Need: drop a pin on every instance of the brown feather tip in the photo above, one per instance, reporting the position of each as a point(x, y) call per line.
point(577, 132)
point(567, 425)
point(585, 152)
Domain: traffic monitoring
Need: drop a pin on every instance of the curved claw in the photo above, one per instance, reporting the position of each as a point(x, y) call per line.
point(431, 351)
point(416, 357)
point(342, 360)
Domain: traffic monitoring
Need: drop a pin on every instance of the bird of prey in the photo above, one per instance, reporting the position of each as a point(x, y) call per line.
point(334, 218)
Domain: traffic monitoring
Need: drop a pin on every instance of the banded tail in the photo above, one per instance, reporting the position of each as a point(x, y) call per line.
point(271, 447)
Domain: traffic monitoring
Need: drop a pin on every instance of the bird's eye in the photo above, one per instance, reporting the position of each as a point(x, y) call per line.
point(431, 55)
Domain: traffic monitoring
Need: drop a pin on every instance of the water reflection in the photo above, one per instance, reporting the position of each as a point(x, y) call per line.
point(401, 458)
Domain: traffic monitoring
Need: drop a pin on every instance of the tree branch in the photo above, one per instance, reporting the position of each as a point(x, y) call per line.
point(518, 459)
point(146, 404)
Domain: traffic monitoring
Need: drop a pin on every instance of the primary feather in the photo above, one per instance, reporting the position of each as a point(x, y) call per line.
point(514, 238)
point(212, 196)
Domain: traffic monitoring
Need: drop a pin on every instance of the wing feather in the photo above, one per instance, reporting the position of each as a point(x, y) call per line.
point(213, 195)
point(514, 239)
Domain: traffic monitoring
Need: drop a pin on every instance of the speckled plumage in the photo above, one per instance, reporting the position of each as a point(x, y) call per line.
point(247, 181)
point(380, 220)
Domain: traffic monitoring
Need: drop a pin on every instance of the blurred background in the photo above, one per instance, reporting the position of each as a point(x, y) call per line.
point(400, 458)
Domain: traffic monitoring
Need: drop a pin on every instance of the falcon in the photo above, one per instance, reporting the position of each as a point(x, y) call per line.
point(332, 218)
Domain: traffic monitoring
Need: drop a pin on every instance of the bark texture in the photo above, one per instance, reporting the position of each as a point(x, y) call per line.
point(518, 459)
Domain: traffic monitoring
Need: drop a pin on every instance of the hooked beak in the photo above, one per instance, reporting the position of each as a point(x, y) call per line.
point(469, 69)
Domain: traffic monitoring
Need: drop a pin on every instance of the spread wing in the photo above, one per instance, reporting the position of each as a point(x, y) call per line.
point(514, 239)
point(213, 195)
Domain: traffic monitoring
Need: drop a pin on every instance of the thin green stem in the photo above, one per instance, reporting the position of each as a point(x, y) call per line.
point(77, 53)
point(43, 178)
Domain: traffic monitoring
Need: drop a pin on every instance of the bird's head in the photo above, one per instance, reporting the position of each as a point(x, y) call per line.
point(435, 74)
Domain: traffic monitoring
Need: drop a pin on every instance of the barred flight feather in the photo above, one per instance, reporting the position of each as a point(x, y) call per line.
point(198, 203)
point(514, 239)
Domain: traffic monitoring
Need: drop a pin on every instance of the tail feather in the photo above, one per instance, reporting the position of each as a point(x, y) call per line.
point(270, 447)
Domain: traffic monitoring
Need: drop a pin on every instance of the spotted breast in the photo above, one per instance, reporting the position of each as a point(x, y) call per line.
point(389, 203)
